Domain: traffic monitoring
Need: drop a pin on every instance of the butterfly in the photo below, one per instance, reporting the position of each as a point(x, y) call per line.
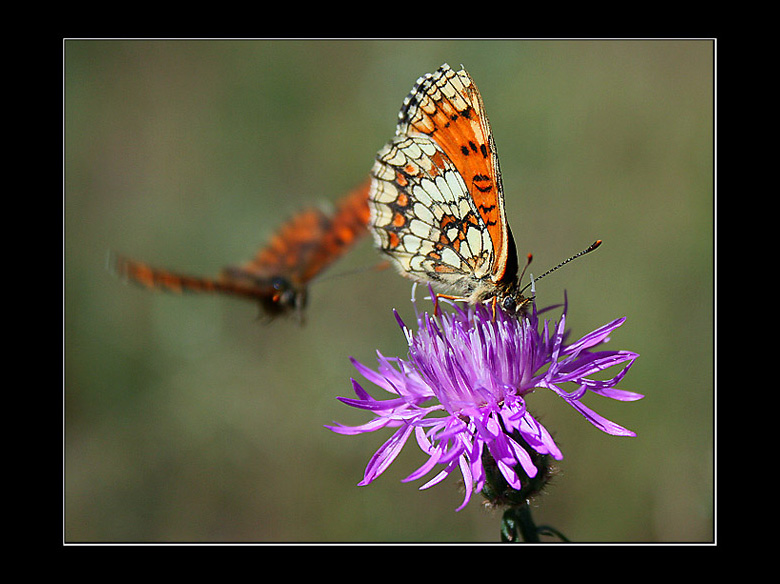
point(437, 199)
point(278, 275)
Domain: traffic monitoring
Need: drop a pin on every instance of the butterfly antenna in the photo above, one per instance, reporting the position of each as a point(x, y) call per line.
point(527, 263)
point(589, 249)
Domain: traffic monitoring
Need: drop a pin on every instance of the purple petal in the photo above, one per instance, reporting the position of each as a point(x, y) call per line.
point(601, 422)
point(618, 394)
point(468, 481)
point(538, 438)
point(439, 477)
point(366, 402)
point(372, 426)
point(386, 455)
point(374, 377)
point(595, 337)
point(510, 475)
point(587, 365)
point(425, 468)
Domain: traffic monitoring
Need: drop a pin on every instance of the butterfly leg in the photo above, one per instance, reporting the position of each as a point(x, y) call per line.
point(436, 301)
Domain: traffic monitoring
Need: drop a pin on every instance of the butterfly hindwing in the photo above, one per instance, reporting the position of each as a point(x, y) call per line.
point(424, 217)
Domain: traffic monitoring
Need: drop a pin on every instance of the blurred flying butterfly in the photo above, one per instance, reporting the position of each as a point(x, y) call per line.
point(278, 276)
point(437, 200)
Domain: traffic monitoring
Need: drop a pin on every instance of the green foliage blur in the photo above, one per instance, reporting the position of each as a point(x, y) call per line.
point(188, 420)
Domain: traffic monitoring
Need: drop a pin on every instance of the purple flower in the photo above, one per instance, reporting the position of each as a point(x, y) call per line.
point(464, 387)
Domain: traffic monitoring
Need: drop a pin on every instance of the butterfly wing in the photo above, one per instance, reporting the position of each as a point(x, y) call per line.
point(424, 218)
point(278, 275)
point(436, 196)
point(168, 281)
point(309, 242)
point(349, 225)
point(447, 107)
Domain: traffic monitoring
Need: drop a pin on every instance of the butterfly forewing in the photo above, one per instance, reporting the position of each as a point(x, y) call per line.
point(447, 107)
point(436, 198)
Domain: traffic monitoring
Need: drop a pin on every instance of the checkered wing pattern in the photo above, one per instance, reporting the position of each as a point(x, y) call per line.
point(436, 199)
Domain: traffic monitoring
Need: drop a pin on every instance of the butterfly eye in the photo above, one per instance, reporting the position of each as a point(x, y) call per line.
point(509, 304)
point(280, 284)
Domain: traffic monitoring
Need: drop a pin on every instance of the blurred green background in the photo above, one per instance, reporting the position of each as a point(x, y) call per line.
point(186, 419)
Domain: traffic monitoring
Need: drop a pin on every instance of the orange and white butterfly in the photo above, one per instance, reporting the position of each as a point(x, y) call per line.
point(279, 274)
point(436, 198)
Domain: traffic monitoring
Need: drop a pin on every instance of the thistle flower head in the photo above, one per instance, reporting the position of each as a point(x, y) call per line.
point(463, 389)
